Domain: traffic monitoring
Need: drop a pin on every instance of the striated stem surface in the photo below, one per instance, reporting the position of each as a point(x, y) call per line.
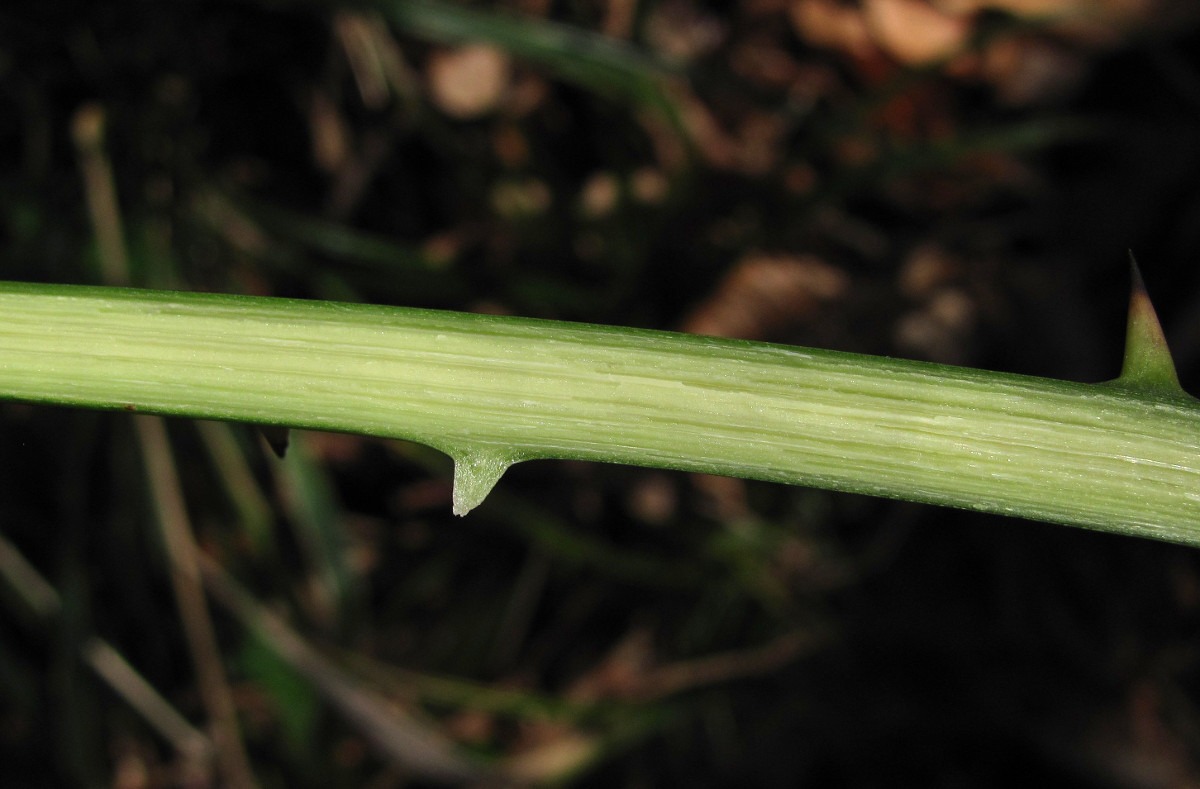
point(491, 391)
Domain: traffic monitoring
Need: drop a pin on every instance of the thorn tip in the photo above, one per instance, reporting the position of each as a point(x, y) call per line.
point(1147, 362)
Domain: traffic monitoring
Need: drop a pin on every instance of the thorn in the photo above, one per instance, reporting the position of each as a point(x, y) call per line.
point(276, 437)
point(475, 474)
point(1148, 362)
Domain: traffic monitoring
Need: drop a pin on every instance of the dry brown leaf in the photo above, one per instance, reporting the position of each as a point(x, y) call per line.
point(680, 31)
point(1055, 9)
point(329, 133)
point(914, 32)
point(511, 146)
point(1027, 70)
point(828, 23)
point(599, 195)
point(927, 268)
point(670, 678)
point(717, 147)
point(648, 185)
point(619, 17)
point(762, 62)
point(879, 35)
point(469, 81)
point(561, 755)
point(620, 672)
point(760, 142)
point(764, 294)
point(374, 57)
point(940, 328)
point(1090, 22)
point(723, 498)
point(653, 499)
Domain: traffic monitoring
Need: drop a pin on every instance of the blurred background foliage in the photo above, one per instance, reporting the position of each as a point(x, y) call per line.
point(953, 180)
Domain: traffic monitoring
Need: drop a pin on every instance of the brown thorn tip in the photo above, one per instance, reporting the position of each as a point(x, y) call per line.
point(1147, 363)
point(1135, 274)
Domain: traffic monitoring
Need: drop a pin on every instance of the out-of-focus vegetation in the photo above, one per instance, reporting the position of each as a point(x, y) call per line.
point(955, 181)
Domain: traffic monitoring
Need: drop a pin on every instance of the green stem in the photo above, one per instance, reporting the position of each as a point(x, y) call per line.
point(491, 391)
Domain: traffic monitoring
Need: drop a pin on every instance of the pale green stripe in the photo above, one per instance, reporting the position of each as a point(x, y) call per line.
point(505, 388)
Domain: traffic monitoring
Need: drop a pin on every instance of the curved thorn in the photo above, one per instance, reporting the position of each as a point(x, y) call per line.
point(277, 438)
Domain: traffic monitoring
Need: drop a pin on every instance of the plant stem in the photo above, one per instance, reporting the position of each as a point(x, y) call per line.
point(491, 391)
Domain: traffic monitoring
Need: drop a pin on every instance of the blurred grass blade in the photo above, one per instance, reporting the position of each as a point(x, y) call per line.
point(598, 63)
point(44, 603)
point(39, 599)
point(575, 548)
point(87, 130)
point(312, 509)
point(182, 557)
point(297, 243)
point(900, 161)
point(397, 735)
point(193, 747)
point(468, 694)
point(336, 239)
point(294, 701)
point(253, 512)
point(565, 735)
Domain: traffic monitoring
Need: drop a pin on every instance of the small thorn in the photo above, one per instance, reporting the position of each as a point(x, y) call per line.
point(475, 474)
point(1148, 362)
point(277, 438)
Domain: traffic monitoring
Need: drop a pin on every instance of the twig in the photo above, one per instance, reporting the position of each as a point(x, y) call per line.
point(395, 734)
point(194, 748)
point(189, 597)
